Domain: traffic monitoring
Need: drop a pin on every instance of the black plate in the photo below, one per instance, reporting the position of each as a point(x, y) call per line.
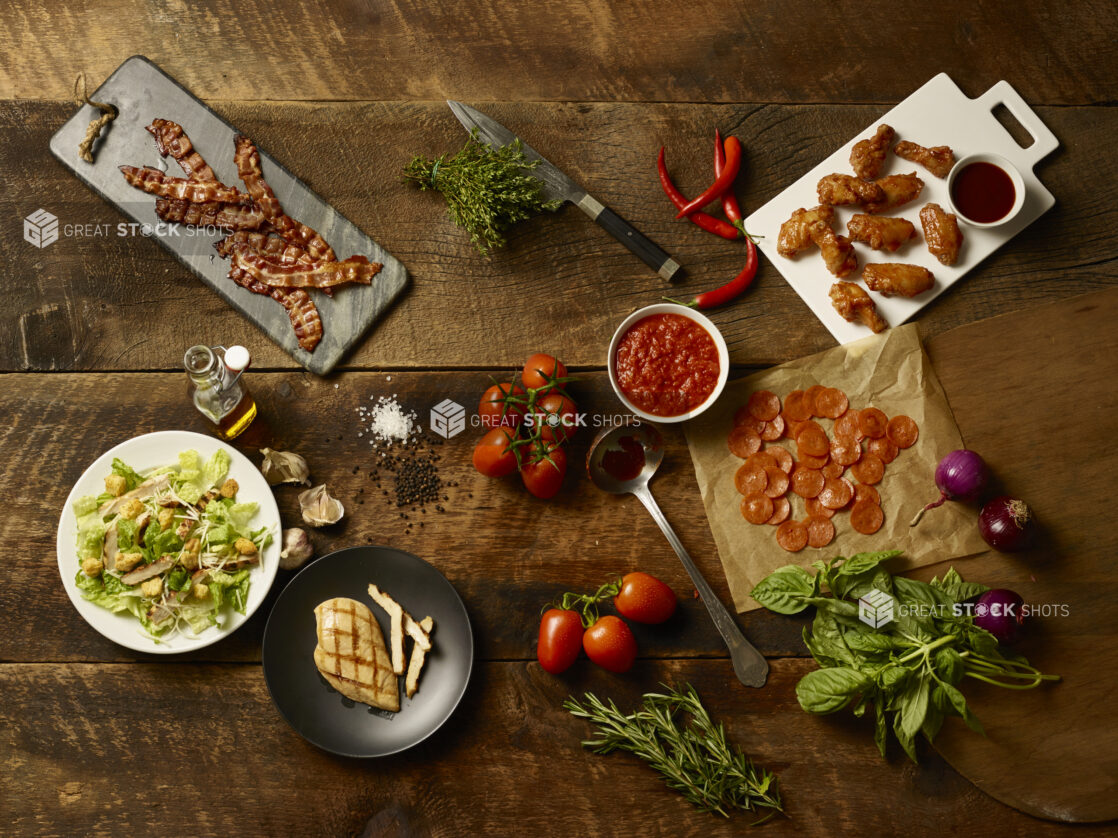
point(323, 716)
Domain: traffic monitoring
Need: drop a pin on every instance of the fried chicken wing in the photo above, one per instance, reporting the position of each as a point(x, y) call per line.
point(837, 190)
point(868, 156)
point(838, 253)
point(942, 233)
point(855, 306)
point(938, 160)
point(880, 232)
point(894, 279)
point(795, 233)
point(896, 190)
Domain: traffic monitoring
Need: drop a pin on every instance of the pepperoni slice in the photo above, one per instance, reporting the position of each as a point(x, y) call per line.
point(773, 430)
point(781, 510)
point(764, 405)
point(833, 470)
point(808, 461)
point(782, 456)
point(869, 469)
point(831, 403)
point(872, 422)
point(744, 419)
point(795, 408)
point(812, 440)
point(750, 478)
point(845, 450)
point(902, 431)
point(792, 536)
point(744, 441)
point(809, 398)
point(820, 531)
point(836, 493)
point(807, 482)
point(862, 492)
point(777, 482)
point(814, 507)
point(866, 517)
point(762, 459)
point(847, 426)
point(791, 426)
point(756, 508)
point(885, 450)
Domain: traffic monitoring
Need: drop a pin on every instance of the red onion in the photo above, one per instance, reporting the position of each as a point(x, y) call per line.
point(1001, 613)
point(1007, 524)
point(961, 475)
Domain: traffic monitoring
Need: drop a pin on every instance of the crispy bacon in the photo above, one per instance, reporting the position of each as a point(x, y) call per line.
point(171, 139)
point(158, 183)
point(274, 247)
point(301, 310)
point(247, 159)
point(315, 275)
point(211, 214)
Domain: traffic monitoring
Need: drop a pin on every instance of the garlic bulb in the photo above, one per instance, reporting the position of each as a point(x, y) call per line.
point(319, 508)
point(297, 548)
point(284, 467)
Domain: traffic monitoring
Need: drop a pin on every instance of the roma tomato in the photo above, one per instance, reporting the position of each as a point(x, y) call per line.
point(610, 644)
point(644, 598)
point(556, 416)
point(560, 639)
point(544, 478)
point(494, 455)
point(493, 410)
point(541, 368)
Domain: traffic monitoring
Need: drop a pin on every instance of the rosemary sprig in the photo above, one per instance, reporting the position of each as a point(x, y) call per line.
point(487, 189)
point(674, 734)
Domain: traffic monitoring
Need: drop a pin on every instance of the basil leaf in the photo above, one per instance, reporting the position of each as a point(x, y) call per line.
point(828, 690)
point(953, 585)
point(880, 728)
point(862, 562)
point(869, 642)
point(785, 590)
point(914, 706)
point(949, 665)
point(824, 641)
point(932, 723)
point(860, 585)
point(959, 704)
point(907, 741)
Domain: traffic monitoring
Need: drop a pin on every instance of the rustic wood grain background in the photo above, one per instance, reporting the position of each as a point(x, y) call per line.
point(102, 741)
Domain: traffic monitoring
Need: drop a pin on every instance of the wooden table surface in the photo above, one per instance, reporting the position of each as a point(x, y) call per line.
point(101, 740)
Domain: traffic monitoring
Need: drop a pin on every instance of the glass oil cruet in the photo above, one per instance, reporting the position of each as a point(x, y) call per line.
point(219, 393)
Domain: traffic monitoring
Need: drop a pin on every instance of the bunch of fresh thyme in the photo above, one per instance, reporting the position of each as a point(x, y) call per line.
point(693, 756)
point(487, 189)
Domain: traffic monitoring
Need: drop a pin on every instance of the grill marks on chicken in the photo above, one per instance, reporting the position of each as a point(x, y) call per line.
point(351, 654)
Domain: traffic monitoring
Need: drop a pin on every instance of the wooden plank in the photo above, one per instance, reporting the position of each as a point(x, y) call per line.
point(582, 50)
point(157, 749)
point(562, 285)
point(506, 552)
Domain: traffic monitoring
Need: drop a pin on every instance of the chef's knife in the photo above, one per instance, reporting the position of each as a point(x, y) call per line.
point(557, 186)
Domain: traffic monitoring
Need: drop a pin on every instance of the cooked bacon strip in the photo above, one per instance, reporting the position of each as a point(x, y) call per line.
point(211, 214)
point(158, 183)
point(274, 247)
point(316, 275)
point(247, 159)
point(301, 309)
point(171, 139)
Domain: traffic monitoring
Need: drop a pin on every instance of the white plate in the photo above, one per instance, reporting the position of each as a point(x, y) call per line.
point(142, 453)
point(939, 113)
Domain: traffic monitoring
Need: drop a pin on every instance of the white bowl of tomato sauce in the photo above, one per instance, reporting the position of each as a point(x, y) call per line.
point(668, 363)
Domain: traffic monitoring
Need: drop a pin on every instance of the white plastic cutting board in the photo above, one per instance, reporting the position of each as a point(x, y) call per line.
point(939, 113)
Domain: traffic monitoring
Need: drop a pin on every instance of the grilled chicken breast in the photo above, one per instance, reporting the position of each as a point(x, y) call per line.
point(351, 654)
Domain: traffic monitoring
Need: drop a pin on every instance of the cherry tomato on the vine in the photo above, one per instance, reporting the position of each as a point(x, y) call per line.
point(543, 478)
point(560, 639)
point(644, 598)
point(494, 455)
point(541, 368)
point(610, 644)
point(556, 416)
point(492, 406)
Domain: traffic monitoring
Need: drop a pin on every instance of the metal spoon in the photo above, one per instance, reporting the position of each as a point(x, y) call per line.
point(749, 665)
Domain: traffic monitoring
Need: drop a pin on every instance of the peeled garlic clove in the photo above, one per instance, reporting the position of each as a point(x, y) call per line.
point(284, 467)
point(319, 508)
point(297, 548)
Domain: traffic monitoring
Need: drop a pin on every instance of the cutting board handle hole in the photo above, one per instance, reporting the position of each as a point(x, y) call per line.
point(1015, 129)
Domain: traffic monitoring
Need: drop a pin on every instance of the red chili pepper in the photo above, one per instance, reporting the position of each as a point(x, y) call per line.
point(706, 222)
point(732, 289)
point(722, 181)
point(729, 199)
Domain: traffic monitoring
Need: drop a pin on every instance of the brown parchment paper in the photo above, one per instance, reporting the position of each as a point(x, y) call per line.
point(888, 371)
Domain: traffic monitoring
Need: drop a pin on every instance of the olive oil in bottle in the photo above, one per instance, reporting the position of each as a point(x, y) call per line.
point(219, 394)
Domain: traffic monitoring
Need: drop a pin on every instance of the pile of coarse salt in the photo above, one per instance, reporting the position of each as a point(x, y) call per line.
point(387, 422)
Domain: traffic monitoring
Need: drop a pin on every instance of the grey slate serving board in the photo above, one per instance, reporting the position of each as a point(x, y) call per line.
point(142, 92)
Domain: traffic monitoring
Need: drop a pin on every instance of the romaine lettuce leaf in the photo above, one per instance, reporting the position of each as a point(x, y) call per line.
point(131, 478)
point(217, 466)
point(229, 588)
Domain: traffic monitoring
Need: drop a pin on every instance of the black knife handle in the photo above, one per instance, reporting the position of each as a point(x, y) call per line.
point(628, 235)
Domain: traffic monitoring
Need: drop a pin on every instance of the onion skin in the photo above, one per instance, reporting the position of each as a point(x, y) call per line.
point(1001, 613)
point(962, 475)
point(1007, 524)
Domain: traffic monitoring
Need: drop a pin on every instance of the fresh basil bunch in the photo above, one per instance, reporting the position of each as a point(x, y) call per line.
point(910, 667)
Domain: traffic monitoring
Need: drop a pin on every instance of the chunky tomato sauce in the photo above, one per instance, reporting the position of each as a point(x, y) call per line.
point(667, 364)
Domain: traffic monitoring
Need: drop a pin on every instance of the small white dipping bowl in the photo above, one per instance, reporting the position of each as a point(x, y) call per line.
point(1005, 166)
point(690, 314)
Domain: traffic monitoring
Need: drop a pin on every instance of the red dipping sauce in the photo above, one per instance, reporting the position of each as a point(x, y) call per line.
point(983, 192)
point(626, 462)
point(667, 364)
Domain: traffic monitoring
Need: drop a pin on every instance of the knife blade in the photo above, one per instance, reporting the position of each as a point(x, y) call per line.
point(558, 186)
